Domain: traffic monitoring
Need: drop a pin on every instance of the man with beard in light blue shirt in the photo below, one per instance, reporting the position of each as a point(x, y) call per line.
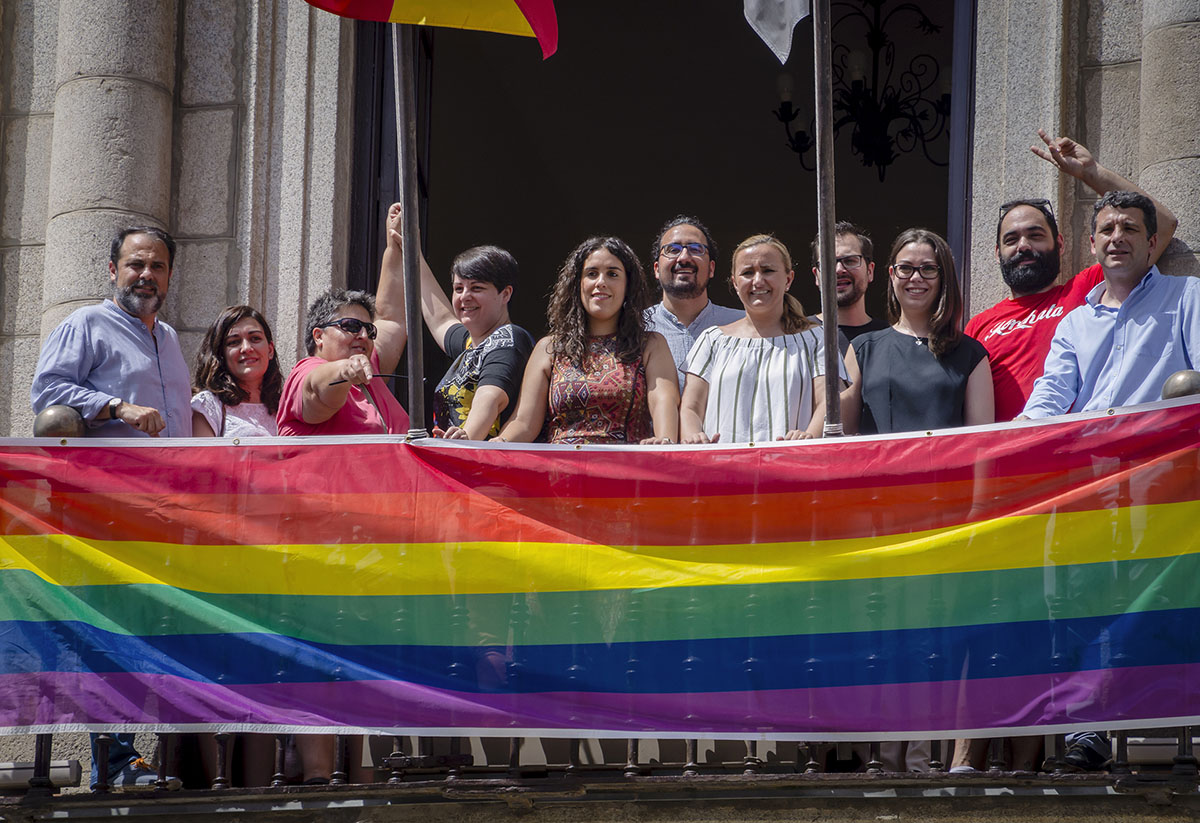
point(115, 363)
point(1135, 329)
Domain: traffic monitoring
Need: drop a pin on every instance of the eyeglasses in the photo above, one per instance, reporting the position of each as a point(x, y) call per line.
point(904, 271)
point(850, 261)
point(1039, 203)
point(673, 250)
point(352, 326)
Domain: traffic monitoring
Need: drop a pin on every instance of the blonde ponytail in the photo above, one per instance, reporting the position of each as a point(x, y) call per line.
point(794, 318)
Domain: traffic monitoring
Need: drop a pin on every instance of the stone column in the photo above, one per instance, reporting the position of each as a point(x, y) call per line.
point(1018, 89)
point(293, 202)
point(1104, 112)
point(110, 162)
point(1170, 111)
point(27, 33)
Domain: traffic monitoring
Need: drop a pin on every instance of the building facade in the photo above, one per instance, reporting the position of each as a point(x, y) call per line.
point(232, 124)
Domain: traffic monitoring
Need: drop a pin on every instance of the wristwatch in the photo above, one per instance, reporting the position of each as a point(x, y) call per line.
point(113, 405)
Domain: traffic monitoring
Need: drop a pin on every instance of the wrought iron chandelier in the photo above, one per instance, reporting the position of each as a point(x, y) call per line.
point(890, 109)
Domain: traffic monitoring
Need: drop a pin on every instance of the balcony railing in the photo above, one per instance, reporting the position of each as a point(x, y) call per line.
point(425, 763)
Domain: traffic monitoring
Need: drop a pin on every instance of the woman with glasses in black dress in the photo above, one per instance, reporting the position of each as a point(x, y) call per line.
point(922, 372)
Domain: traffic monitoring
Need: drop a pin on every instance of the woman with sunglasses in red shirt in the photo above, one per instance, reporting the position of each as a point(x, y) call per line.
point(351, 338)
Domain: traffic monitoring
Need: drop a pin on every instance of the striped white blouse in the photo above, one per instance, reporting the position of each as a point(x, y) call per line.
point(758, 388)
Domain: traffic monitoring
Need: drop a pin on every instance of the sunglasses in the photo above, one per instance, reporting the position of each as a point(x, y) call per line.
point(1039, 203)
point(352, 326)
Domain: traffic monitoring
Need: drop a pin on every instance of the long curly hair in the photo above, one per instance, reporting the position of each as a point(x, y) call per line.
point(945, 324)
point(212, 372)
point(569, 322)
point(794, 319)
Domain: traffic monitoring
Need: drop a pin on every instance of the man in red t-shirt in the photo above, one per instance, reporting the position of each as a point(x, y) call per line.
point(1017, 331)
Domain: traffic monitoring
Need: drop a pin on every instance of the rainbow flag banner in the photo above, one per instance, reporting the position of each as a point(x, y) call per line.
point(527, 18)
point(1023, 577)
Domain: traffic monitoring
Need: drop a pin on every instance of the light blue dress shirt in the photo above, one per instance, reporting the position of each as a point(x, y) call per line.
point(680, 337)
point(101, 352)
point(1104, 357)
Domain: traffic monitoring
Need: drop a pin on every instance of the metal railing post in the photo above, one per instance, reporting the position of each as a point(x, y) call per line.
point(40, 785)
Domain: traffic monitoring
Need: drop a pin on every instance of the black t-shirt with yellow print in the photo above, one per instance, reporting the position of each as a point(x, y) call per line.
point(498, 361)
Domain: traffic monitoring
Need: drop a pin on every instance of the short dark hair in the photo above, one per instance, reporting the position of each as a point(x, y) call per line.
point(683, 220)
point(840, 228)
point(325, 308)
point(1128, 200)
point(487, 264)
point(1039, 203)
point(114, 254)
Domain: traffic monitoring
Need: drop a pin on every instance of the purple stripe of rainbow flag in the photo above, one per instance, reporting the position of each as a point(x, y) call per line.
point(912, 710)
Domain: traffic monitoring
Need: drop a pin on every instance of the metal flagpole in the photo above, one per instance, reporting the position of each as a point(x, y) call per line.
point(406, 160)
point(823, 80)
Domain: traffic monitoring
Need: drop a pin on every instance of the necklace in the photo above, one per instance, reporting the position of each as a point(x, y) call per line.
point(917, 339)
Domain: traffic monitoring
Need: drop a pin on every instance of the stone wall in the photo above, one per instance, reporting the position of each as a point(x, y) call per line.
point(226, 122)
point(1018, 89)
point(1169, 162)
point(1103, 108)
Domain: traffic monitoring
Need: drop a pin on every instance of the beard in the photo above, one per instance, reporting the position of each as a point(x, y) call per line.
point(682, 290)
point(136, 304)
point(1039, 270)
point(852, 296)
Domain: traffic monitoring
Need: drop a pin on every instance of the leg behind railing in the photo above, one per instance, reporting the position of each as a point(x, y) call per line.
point(1121, 754)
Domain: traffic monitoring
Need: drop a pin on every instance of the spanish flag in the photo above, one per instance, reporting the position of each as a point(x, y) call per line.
point(527, 18)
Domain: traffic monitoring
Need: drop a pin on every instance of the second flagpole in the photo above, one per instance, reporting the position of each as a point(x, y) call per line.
point(406, 156)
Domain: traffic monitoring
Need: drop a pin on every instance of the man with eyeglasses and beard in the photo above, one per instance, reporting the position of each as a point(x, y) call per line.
point(684, 258)
point(1017, 331)
point(115, 363)
point(853, 251)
